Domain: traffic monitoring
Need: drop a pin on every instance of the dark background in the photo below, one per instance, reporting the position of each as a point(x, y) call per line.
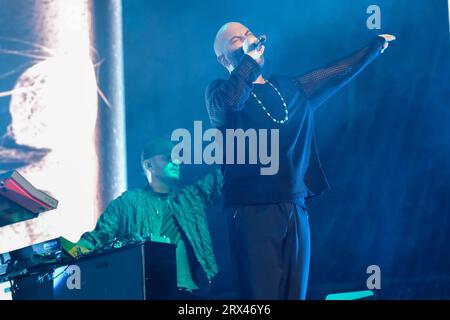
point(384, 139)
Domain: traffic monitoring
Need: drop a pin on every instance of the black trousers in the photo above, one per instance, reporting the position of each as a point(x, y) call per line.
point(270, 250)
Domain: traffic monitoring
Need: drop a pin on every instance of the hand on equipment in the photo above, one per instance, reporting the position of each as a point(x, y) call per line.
point(73, 249)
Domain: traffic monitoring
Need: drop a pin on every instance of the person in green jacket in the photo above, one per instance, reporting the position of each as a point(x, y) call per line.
point(161, 211)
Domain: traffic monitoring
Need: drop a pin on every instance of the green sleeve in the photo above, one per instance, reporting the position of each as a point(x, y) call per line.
point(107, 226)
point(209, 188)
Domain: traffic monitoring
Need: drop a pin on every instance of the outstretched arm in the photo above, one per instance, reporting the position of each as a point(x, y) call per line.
point(209, 188)
point(322, 83)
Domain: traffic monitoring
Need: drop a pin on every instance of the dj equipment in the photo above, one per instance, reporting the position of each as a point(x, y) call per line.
point(140, 271)
point(25, 261)
point(20, 200)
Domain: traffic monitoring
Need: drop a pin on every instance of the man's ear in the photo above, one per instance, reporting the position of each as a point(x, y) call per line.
point(147, 165)
point(223, 61)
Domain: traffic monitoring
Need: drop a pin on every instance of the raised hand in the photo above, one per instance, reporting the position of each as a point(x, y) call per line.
point(388, 38)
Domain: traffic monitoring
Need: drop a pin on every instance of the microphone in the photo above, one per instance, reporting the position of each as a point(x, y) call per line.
point(259, 42)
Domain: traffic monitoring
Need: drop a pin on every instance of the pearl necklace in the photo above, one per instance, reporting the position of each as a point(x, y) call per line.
point(265, 109)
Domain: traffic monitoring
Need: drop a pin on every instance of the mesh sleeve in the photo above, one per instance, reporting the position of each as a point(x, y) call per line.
point(322, 83)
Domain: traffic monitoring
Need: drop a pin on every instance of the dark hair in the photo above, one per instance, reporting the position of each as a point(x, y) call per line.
point(157, 146)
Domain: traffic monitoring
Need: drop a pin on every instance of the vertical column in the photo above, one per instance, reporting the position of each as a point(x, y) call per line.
point(448, 6)
point(111, 125)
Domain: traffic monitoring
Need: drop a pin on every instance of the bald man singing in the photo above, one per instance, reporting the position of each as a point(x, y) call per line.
point(267, 216)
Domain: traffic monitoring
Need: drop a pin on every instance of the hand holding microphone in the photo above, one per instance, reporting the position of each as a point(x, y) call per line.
point(388, 38)
point(254, 47)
